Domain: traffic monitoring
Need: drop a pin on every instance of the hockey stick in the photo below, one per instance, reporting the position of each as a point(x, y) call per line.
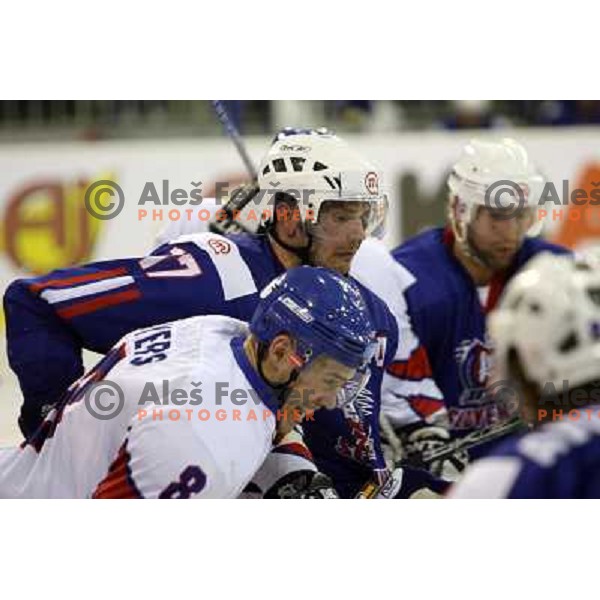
point(474, 439)
point(373, 488)
point(236, 138)
point(227, 222)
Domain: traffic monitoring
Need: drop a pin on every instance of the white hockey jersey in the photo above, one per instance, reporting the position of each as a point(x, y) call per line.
point(173, 411)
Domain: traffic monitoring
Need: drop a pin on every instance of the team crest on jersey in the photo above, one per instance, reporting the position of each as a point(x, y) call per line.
point(474, 366)
point(477, 407)
point(358, 446)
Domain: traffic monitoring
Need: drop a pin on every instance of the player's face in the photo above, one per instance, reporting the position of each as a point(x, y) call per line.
point(338, 234)
point(497, 238)
point(318, 384)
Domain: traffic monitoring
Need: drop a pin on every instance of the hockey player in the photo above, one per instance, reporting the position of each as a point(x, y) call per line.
point(452, 277)
point(317, 203)
point(547, 336)
point(309, 336)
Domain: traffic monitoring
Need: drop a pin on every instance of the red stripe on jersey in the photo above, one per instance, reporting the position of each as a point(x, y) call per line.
point(425, 407)
point(416, 367)
point(83, 308)
point(67, 281)
point(496, 288)
point(448, 238)
point(296, 449)
point(117, 483)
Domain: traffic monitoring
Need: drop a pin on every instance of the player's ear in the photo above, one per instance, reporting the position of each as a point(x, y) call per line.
point(281, 350)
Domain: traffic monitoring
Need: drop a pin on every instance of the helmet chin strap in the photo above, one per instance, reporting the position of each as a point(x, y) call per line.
point(471, 250)
point(303, 253)
point(466, 242)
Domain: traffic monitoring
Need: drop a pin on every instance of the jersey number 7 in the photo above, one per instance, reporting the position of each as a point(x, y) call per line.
point(180, 264)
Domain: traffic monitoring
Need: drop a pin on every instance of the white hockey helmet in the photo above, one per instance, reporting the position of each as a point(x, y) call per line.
point(316, 167)
point(550, 315)
point(497, 174)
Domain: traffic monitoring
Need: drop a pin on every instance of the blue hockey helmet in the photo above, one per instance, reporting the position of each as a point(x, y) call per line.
point(323, 311)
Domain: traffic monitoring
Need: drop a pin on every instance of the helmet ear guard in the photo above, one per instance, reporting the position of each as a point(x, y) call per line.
point(458, 221)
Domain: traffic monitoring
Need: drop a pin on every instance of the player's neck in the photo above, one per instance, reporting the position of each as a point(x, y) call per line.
point(285, 257)
point(480, 274)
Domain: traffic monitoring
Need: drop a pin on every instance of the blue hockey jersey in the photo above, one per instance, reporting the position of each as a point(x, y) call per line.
point(51, 318)
point(560, 459)
point(445, 359)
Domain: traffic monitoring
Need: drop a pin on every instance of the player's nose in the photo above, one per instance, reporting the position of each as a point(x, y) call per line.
point(509, 230)
point(325, 400)
point(355, 230)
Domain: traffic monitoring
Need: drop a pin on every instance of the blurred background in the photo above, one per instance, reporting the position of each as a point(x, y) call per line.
point(34, 120)
point(51, 151)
